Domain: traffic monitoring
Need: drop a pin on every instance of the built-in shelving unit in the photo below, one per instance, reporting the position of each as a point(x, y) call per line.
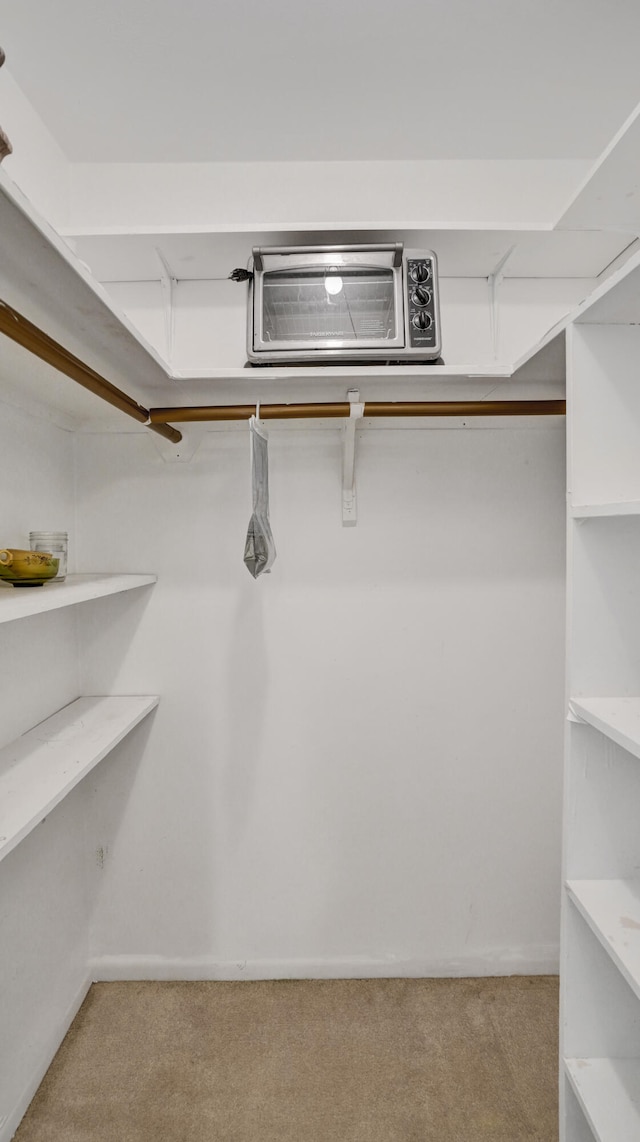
point(611, 908)
point(39, 769)
point(601, 906)
point(20, 602)
point(614, 300)
point(608, 1090)
point(595, 511)
point(616, 718)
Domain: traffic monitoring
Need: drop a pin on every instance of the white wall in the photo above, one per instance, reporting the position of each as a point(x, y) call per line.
point(43, 904)
point(38, 664)
point(210, 319)
point(37, 165)
point(355, 765)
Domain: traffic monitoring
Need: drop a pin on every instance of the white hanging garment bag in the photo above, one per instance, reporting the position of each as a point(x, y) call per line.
point(259, 548)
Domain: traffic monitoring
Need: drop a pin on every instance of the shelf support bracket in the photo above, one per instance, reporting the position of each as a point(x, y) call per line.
point(349, 501)
point(168, 283)
point(494, 281)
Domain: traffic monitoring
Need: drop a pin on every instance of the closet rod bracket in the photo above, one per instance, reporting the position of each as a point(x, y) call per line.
point(185, 451)
point(349, 501)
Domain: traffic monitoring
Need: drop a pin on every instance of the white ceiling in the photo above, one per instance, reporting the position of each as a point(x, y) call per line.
point(229, 80)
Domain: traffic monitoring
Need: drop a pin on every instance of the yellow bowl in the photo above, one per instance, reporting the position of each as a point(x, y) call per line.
point(27, 568)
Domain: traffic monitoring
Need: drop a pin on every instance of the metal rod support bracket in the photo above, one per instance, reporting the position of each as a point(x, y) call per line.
point(349, 501)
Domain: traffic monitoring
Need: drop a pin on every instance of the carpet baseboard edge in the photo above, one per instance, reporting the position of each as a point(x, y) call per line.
point(539, 960)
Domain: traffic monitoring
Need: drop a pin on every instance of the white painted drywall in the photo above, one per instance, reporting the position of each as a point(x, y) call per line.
point(43, 904)
point(37, 164)
point(355, 765)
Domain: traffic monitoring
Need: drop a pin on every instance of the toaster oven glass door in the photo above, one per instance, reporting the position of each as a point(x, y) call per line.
point(331, 307)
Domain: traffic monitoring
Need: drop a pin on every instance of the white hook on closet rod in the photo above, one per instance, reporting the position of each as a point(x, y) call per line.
point(349, 502)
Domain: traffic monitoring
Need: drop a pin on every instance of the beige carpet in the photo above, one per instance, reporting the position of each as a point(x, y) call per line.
point(473, 1060)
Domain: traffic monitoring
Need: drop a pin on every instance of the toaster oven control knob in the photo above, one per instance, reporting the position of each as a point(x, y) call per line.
point(421, 296)
point(420, 272)
point(422, 320)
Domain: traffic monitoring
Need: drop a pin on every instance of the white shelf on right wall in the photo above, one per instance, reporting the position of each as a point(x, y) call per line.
point(596, 511)
point(616, 718)
point(608, 1091)
point(604, 424)
point(611, 908)
point(600, 960)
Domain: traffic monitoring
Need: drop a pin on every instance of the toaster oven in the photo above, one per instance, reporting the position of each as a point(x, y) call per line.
point(343, 304)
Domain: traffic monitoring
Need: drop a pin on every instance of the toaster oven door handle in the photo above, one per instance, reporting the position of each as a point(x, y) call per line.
point(394, 248)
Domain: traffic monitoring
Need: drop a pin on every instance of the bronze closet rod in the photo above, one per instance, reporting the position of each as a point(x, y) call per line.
point(25, 333)
point(371, 408)
point(18, 328)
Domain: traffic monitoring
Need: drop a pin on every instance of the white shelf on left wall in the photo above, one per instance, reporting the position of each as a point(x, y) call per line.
point(20, 602)
point(39, 769)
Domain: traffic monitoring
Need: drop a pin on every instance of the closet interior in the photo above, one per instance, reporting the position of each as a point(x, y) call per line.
point(352, 767)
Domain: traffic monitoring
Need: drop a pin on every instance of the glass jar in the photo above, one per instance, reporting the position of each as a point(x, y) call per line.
point(56, 543)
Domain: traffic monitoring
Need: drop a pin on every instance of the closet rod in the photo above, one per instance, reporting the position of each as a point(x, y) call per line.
point(20, 329)
point(371, 408)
